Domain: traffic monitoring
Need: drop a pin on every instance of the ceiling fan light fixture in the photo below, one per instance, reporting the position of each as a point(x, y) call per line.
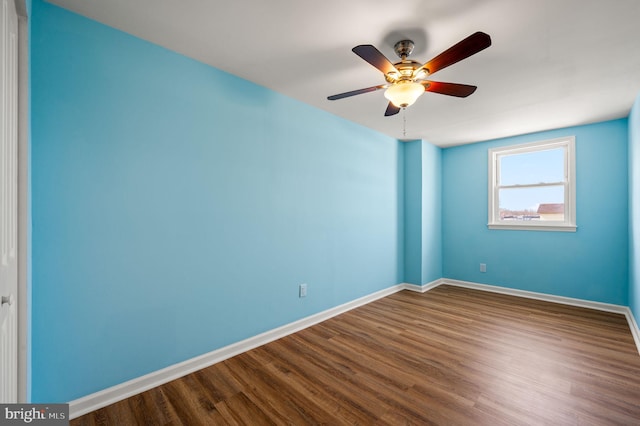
point(420, 74)
point(404, 93)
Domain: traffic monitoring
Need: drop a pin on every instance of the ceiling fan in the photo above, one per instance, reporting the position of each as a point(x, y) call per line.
point(407, 79)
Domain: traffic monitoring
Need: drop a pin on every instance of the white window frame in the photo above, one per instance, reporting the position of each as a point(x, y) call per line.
point(569, 222)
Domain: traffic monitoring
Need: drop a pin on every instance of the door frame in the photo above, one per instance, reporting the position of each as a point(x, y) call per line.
point(24, 222)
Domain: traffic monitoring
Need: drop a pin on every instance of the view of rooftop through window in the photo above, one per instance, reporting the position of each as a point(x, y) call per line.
point(532, 185)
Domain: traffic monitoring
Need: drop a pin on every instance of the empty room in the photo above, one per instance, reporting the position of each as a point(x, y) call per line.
point(357, 212)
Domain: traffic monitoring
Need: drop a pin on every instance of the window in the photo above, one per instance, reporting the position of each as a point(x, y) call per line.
point(532, 186)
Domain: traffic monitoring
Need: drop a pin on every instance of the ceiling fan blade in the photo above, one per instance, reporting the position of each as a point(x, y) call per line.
point(462, 50)
point(356, 92)
point(372, 55)
point(391, 110)
point(451, 89)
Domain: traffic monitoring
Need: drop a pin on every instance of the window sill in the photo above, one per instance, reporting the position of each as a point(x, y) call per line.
point(530, 227)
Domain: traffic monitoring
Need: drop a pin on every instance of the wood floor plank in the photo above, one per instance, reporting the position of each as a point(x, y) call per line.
point(331, 375)
point(451, 356)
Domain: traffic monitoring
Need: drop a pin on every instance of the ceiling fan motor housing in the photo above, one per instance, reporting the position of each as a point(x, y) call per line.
point(406, 67)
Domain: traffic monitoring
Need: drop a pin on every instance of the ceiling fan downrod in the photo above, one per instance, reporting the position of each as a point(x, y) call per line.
point(403, 48)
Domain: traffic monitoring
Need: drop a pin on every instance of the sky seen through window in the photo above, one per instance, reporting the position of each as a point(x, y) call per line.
point(545, 166)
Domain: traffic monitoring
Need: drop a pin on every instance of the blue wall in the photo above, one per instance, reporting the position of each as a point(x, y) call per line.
point(634, 210)
point(413, 212)
point(431, 213)
point(168, 222)
point(422, 212)
point(590, 264)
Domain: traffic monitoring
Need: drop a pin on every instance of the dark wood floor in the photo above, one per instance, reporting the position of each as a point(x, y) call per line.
point(451, 356)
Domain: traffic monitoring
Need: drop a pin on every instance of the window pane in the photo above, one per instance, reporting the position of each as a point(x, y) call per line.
point(542, 203)
point(532, 167)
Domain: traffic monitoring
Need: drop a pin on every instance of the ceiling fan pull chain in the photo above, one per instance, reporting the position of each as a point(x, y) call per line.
point(404, 123)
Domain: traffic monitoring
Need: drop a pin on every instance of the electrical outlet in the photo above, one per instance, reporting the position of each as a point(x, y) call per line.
point(303, 290)
point(483, 267)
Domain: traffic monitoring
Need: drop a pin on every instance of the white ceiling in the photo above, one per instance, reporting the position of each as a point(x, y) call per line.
point(553, 63)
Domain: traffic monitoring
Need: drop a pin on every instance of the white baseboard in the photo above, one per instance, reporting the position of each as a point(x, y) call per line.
point(633, 325)
point(538, 296)
point(423, 288)
point(607, 307)
point(135, 386)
